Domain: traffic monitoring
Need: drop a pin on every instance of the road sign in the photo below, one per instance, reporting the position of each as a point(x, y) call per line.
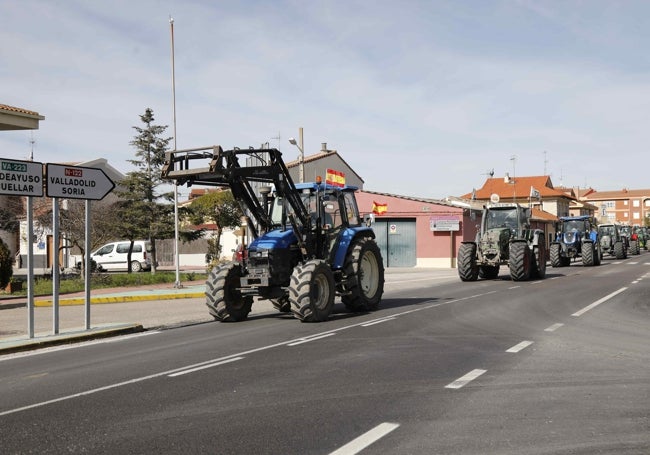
point(77, 182)
point(444, 223)
point(21, 178)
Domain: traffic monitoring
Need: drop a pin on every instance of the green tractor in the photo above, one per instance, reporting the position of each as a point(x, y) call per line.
point(505, 238)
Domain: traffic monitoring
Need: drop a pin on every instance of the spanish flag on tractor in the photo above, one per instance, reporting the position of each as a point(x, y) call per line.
point(379, 209)
point(335, 178)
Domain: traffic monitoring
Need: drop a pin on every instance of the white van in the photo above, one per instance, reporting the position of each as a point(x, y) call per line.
point(114, 255)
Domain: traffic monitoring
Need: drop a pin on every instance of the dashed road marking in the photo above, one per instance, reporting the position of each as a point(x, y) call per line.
point(463, 381)
point(520, 346)
point(598, 302)
point(203, 367)
point(357, 445)
point(553, 327)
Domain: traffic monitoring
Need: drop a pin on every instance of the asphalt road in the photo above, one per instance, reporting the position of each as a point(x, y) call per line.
point(555, 366)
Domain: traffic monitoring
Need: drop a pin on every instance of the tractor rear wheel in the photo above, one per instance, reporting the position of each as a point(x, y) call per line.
point(520, 261)
point(224, 299)
point(619, 250)
point(311, 291)
point(634, 247)
point(364, 270)
point(467, 267)
point(556, 255)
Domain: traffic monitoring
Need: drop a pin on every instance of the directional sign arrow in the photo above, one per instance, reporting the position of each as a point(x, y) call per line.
point(77, 182)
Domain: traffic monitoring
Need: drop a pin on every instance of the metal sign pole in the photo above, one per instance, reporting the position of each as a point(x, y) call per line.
point(55, 266)
point(30, 267)
point(88, 265)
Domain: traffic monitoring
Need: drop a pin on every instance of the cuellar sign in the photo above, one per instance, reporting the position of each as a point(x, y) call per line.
point(21, 178)
point(76, 182)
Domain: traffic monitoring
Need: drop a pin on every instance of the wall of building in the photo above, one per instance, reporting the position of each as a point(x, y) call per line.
point(433, 248)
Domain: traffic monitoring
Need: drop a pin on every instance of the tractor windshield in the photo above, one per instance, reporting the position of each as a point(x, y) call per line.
point(572, 225)
point(502, 217)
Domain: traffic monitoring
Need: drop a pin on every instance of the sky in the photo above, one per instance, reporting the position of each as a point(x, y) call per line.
point(420, 98)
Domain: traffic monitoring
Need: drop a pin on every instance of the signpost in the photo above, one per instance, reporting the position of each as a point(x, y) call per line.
point(76, 182)
point(25, 178)
point(21, 178)
point(449, 224)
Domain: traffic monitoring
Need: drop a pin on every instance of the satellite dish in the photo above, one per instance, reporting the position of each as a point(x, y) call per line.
point(494, 198)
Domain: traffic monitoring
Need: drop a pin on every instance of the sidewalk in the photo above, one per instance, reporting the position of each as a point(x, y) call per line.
point(146, 307)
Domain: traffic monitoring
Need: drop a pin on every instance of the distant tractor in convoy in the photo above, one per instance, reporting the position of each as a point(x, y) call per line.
point(576, 237)
point(634, 246)
point(309, 242)
point(505, 238)
point(611, 240)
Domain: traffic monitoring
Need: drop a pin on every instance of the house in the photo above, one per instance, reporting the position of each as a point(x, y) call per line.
point(623, 206)
point(316, 165)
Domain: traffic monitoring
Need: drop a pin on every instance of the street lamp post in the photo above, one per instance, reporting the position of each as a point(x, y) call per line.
point(301, 160)
point(177, 283)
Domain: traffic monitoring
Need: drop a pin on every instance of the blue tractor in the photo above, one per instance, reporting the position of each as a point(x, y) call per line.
point(576, 237)
point(309, 242)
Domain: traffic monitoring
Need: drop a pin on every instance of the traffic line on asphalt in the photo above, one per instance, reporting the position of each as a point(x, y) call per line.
point(519, 347)
point(357, 445)
point(553, 327)
point(598, 302)
point(513, 287)
point(203, 367)
point(463, 381)
point(314, 338)
point(378, 321)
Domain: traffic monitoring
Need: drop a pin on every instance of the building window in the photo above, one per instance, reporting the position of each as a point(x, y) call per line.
point(625, 202)
point(635, 203)
point(636, 215)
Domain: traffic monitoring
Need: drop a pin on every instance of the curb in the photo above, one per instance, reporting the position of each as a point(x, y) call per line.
point(27, 344)
point(120, 299)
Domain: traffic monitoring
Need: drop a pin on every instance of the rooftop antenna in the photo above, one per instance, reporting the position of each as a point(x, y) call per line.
point(32, 142)
point(490, 173)
point(513, 158)
point(278, 139)
point(545, 162)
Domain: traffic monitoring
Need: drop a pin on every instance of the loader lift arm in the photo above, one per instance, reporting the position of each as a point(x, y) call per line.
point(224, 170)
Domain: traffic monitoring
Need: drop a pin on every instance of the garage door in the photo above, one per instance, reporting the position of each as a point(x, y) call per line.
point(396, 240)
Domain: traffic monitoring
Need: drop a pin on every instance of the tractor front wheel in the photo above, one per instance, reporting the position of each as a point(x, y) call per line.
point(588, 253)
point(311, 291)
point(520, 261)
point(467, 266)
point(224, 299)
point(364, 269)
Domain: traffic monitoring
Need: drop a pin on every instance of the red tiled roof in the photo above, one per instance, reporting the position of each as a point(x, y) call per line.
point(20, 110)
point(620, 194)
point(507, 188)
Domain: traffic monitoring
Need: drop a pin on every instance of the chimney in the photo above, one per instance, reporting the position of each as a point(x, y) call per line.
point(506, 179)
point(323, 147)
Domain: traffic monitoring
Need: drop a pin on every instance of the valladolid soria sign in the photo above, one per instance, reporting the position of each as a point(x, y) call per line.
point(76, 182)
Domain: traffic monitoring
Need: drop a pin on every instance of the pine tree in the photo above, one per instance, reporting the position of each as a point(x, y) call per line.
point(144, 212)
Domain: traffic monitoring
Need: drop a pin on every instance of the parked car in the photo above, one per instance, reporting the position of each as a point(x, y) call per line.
point(114, 256)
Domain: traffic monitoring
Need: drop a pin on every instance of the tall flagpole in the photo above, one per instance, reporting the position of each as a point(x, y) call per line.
point(177, 283)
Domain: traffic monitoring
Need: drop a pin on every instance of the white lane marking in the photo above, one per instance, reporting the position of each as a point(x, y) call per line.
point(514, 287)
point(635, 281)
point(555, 278)
point(598, 302)
point(632, 263)
point(462, 381)
point(216, 364)
point(520, 346)
point(314, 338)
point(357, 445)
point(536, 282)
point(65, 347)
point(553, 327)
point(378, 321)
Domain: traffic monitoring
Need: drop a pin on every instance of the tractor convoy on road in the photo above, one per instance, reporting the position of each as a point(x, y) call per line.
point(310, 243)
